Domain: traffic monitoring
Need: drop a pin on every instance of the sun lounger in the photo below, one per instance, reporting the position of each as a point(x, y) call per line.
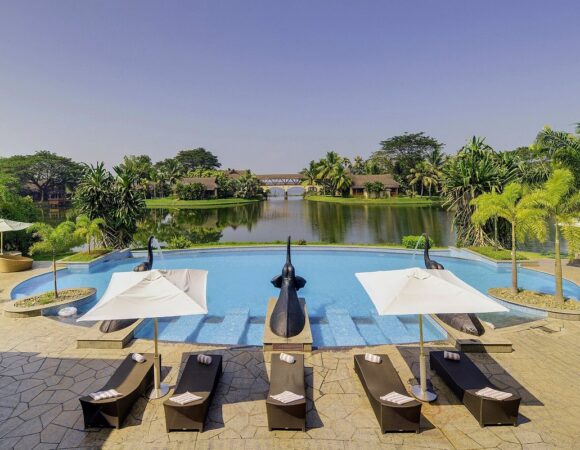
point(131, 380)
point(285, 377)
point(14, 263)
point(465, 379)
point(380, 379)
point(200, 380)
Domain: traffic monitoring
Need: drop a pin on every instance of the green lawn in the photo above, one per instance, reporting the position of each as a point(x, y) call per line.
point(86, 257)
point(376, 201)
point(506, 255)
point(168, 202)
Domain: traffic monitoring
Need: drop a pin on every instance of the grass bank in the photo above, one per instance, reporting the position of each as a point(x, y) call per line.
point(209, 203)
point(506, 255)
point(376, 201)
point(85, 256)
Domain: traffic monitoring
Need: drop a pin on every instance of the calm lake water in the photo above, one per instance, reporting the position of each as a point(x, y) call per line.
point(277, 218)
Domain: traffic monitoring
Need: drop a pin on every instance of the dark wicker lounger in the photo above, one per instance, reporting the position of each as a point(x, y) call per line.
point(201, 380)
point(286, 377)
point(465, 379)
point(381, 379)
point(130, 379)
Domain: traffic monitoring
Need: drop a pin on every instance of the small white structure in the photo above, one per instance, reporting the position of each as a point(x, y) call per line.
point(67, 311)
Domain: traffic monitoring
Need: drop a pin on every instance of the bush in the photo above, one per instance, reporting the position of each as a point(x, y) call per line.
point(193, 191)
point(411, 242)
point(499, 254)
point(179, 242)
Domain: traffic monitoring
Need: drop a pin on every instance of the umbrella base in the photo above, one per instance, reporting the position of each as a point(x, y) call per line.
point(429, 396)
point(158, 393)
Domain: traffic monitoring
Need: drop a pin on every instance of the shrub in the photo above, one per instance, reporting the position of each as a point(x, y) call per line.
point(411, 242)
point(179, 242)
point(301, 242)
point(193, 191)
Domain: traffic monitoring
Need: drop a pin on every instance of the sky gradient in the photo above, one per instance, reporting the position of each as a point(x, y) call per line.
point(270, 85)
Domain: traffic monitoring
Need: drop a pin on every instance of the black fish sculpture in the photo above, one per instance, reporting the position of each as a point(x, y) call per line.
point(146, 265)
point(466, 322)
point(288, 319)
point(108, 326)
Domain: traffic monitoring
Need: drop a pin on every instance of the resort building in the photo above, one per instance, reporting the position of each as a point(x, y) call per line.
point(374, 186)
point(208, 182)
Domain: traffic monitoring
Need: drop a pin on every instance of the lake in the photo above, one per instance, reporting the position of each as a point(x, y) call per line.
point(311, 221)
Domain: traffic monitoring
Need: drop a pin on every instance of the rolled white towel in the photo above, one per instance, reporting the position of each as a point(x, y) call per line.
point(451, 355)
point(185, 398)
point(287, 358)
point(287, 397)
point(373, 358)
point(493, 393)
point(204, 359)
point(102, 395)
point(395, 397)
point(138, 357)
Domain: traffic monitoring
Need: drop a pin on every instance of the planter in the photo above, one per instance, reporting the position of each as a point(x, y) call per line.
point(51, 309)
point(561, 314)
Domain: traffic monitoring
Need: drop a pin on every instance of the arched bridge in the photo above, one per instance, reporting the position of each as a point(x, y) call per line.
point(284, 181)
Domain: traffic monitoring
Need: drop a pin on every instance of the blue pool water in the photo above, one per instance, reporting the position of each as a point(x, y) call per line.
point(341, 312)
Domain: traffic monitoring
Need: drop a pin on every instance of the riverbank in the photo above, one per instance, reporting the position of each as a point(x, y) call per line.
point(391, 201)
point(209, 203)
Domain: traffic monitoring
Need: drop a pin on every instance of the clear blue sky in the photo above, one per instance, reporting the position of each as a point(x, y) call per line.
point(270, 85)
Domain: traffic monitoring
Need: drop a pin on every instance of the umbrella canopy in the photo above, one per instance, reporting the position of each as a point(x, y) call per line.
point(152, 294)
point(157, 293)
point(420, 291)
point(10, 225)
point(424, 291)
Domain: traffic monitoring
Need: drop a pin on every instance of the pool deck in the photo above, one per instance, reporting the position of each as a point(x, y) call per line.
point(42, 374)
point(547, 266)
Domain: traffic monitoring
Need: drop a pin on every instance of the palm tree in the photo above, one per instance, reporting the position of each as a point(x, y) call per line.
point(416, 176)
point(91, 230)
point(53, 240)
point(519, 210)
point(327, 165)
point(340, 179)
point(310, 174)
point(562, 148)
point(560, 202)
point(173, 172)
point(358, 166)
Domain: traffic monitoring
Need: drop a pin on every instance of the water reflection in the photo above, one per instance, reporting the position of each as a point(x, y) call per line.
point(312, 221)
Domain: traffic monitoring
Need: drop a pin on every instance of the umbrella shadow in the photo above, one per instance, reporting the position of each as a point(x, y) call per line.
point(484, 361)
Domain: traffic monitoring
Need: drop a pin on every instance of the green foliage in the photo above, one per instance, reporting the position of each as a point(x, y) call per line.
point(114, 199)
point(192, 191)
point(497, 254)
point(249, 187)
point(411, 242)
point(42, 173)
point(226, 186)
point(562, 148)
point(198, 158)
point(90, 230)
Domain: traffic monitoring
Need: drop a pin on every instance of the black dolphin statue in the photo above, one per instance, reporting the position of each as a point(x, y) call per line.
point(466, 322)
point(146, 265)
point(108, 326)
point(288, 319)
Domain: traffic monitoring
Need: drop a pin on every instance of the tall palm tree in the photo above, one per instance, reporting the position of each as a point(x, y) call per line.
point(519, 210)
point(560, 202)
point(327, 165)
point(340, 179)
point(358, 166)
point(563, 149)
point(310, 174)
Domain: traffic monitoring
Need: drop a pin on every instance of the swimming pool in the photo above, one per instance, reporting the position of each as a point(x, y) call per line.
point(341, 313)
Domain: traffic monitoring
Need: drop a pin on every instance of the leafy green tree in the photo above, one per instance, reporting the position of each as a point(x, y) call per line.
point(42, 173)
point(249, 187)
point(53, 240)
point(560, 201)
point(114, 199)
point(310, 174)
point(358, 166)
point(562, 148)
point(226, 186)
point(140, 165)
point(89, 230)
point(18, 208)
point(191, 191)
point(198, 158)
point(516, 208)
point(172, 171)
point(399, 154)
point(340, 179)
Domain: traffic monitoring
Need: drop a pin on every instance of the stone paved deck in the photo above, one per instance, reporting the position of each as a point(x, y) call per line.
point(42, 375)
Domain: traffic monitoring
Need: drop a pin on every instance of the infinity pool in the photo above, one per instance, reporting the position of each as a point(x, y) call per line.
point(341, 312)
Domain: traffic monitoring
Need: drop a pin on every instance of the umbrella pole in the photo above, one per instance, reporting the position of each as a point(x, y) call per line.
point(1, 242)
point(159, 389)
point(421, 391)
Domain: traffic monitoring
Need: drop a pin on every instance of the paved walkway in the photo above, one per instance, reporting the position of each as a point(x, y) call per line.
point(547, 266)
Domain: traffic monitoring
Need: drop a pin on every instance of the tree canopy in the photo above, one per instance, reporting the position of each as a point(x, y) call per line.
point(198, 158)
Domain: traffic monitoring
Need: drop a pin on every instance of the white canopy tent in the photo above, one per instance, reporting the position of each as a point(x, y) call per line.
point(150, 295)
point(422, 291)
point(10, 225)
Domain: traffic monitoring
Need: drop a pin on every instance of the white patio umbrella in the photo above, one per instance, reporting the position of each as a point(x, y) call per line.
point(10, 225)
point(421, 291)
point(149, 295)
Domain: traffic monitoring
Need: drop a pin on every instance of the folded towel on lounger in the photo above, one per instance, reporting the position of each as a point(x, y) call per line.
point(102, 395)
point(185, 398)
point(451, 356)
point(287, 358)
point(373, 358)
point(394, 397)
point(138, 357)
point(204, 359)
point(287, 397)
point(493, 393)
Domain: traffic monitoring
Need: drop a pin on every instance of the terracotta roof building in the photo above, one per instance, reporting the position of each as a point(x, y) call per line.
point(358, 186)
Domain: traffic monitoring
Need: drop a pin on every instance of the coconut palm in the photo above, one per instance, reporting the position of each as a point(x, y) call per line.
point(90, 230)
point(358, 166)
point(519, 210)
point(340, 179)
point(562, 148)
point(310, 174)
point(560, 202)
point(55, 240)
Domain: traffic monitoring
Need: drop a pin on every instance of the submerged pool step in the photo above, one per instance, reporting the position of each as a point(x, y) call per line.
point(231, 329)
point(343, 328)
point(393, 329)
point(179, 329)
